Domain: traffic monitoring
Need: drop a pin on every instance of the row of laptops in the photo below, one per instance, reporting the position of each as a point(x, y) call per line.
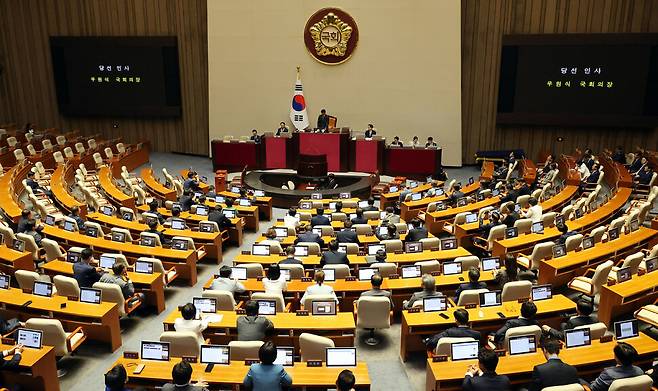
point(45, 289)
point(409, 247)
point(208, 305)
point(107, 261)
point(528, 344)
point(487, 299)
point(220, 354)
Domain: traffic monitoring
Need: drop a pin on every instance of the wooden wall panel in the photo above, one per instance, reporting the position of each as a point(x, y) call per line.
point(483, 24)
point(27, 91)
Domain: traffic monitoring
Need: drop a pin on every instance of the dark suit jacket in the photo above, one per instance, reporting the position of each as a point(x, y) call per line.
point(510, 219)
point(85, 274)
point(572, 323)
point(593, 177)
point(453, 332)
point(186, 203)
point(644, 177)
point(511, 196)
point(370, 208)
point(219, 218)
point(489, 381)
point(323, 121)
point(347, 237)
point(416, 234)
point(290, 261)
point(358, 220)
point(334, 258)
point(467, 286)
point(370, 133)
point(320, 220)
point(22, 226)
point(553, 372)
point(7, 365)
point(510, 324)
point(310, 237)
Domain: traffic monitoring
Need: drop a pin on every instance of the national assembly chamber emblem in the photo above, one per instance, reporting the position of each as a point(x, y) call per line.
point(331, 35)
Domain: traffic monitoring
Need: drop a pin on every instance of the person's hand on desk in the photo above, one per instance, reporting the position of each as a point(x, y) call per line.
point(473, 370)
point(18, 349)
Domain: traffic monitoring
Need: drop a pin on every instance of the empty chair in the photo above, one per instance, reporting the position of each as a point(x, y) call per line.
point(296, 271)
point(66, 286)
point(469, 261)
point(92, 143)
point(444, 345)
point(548, 219)
point(327, 230)
point(340, 271)
point(31, 150)
point(98, 159)
point(167, 275)
point(385, 269)
point(567, 387)
point(648, 314)
point(523, 200)
point(280, 302)
point(19, 155)
point(54, 335)
point(519, 331)
point(79, 148)
point(225, 300)
point(573, 242)
point(59, 158)
point(253, 269)
point(637, 383)
point(181, 343)
point(242, 350)
point(523, 225)
point(7, 233)
point(591, 286)
point(154, 237)
point(313, 347)
point(52, 249)
point(567, 212)
point(470, 296)
point(351, 248)
point(108, 153)
point(26, 278)
point(373, 312)
point(12, 141)
point(338, 216)
point(121, 149)
point(308, 299)
point(61, 140)
point(515, 290)
point(597, 233)
point(362, 229)
point(430, 243)
point(313, 248)
point(111, 293)
point(116, 232)
point(596, 330)
point(31, 246)
point(540, 252)
point(392, 245)
point(427, 267)
point(617, 223)
point(633, 261)
point(495, 233)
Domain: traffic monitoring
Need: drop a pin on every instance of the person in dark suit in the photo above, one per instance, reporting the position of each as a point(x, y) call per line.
point(473, 283)
point(430, 143)
point(331, 182)
point(218, 217)
point(181, 374)
point(305, 235)
point(153, 208)
point(290, 257)
point(618, 155)
point(153, 229)
point(23, 222)
point(396, 142)
point(191, 183)
point(320, 218)
point(370, 132)
point(255, 137)
point(186, 201)
point(391, 233)
point(456, 194)
point(527, 318)
point(583, 317)
point(371, 206)
point(12, 363)
point(84, 272)
point(483, 377)
point(34, 185)
point(359, 219)
point(625, 354)
point(594, 175)
point(644, 176)
point(565, 233)
point(417, 233)
point(333, 256)
point(323, 120)
point(510, 194)
point(553, 372)
point(461, 330)
point(509, 216)
point(75, 215)
point(283, 129)
point(636, 164)
point(494, 220)
point(347, 235)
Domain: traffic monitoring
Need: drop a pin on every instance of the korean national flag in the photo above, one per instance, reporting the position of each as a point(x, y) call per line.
point(298, 114)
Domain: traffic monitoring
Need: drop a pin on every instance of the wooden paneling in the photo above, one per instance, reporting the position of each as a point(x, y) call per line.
point(483, 24)
point(27, 90)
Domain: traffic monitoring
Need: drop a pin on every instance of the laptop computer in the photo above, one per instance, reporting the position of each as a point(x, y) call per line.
point(413, 247)
point(41, 288)
point(260, 249)
point(215, 354)
point(450, 268)
point(541, 292)
point(411, 271)
point(537, 228)
point(5, 281)
point(464, 350)
point(626, 329)
point(266, 307)
point(434, 304)
point(341, 357)
point(324, 307)
point(301, 251)
point(373, 248)
point(559, 250)
point(624, 274)
point(522, 344)
point(490, 299)
point(511, 232)
point(588, 242)
point(491, 263)
point(471, 218)
point(90, 295)
point(285, 356)
point(205, 305)
point(239, 273)
point(366, 273)
point(144, 267)
point(448, 244)
point(577, 337)
point(152, 350)
point(29, 338)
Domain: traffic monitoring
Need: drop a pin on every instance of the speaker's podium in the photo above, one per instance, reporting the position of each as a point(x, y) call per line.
point(334, 145)
point(312, 166)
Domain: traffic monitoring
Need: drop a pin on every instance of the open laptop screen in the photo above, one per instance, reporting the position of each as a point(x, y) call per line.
point(215, 354)
point(341, 357)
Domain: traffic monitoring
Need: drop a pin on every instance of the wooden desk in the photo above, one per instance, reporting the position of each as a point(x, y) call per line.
point(248, 213)
point(157, 373)
point(627, 297)
point(135, 156)
point(100, 321)
point(418, 325)
point(589, 360)
point(525, 243)
point(37, 370)
point(118, 197)
point(411, 209)
point(158, 189)
point(487, 171)
point(264, 203)
point(389, 199)
point(59, 186)
point(151, 285)
point(10, 208)
point(288, 326)
point(12, 260)
point(435, 221)
point(184, 261)
point(575, 263)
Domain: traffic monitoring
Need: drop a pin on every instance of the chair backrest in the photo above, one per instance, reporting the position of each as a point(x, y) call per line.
point(26, 278)
point(296, 271)
point(469, 261)
point(385, 268)
point(92, 143)
point(79, 147)
point(523, 330)
point(53, 333)
point(548, 219)
point(313, 347)
point(567, 387)
point(126, 234)
point(484, 210)
point(61, 140)
point(573, 242)
point(637, 383)
point(443, 346)
point(66, 286)
point(566, 212)
point(514, 290)
point(633, 261)
point(7, 234)
point(596, 330)
point(52, 250)
point(523, 225)
point(523, 200)
point(278, 297)
point(225, 299)
point(427, 267)
point(460, 218)
point(351, 248)
point(121, 148)
point(181, 343)
point(31, 150)
point(371, 215)
point(154, 237)
point(617, 223)
point(430, 243)
point(340, 271)
point(308, 299)
point(313, 248)
point(340, 216)
point(19, 155)
point(242, 350)
point(470, 296)
point(12, 141)
point(327, 230)
point(600, 276)
point(30, 245)
point(373, 312)
point(111, 293)
point(98, 159)
point(541, 252)
point(57, 155)
point(362, 229)
point(253, 269)
point(392, 245)
point(597, 233)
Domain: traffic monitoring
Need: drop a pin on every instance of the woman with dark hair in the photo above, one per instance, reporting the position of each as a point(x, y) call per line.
point(116, 379)
point(267, 376)
point(275, 283)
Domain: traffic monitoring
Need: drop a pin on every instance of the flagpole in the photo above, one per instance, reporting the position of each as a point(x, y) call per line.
point(298, 68)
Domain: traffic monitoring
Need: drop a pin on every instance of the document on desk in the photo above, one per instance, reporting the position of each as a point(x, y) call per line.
point(213, 318)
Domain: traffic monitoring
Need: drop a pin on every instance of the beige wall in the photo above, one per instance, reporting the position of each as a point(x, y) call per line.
point(404, 76)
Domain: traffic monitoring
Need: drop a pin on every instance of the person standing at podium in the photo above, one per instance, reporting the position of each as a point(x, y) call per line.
point(370, 132)
point(283, 129)
point(323, 121)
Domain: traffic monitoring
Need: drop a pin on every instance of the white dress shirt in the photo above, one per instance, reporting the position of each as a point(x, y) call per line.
point(195, 325)
point(534, 213)
point(320, 290)
point(275, 287)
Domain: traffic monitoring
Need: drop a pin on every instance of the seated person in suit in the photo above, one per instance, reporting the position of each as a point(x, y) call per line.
point(494, 220)
point(511, 272)
point(331, 182)
point(415, 143)
point(644, 176)
point(417, 233)
point(338, 208)
point(371, 206)
point(625, 354)
point(116, 378)
point(347, 235)
point(31, 230)
point(430, 143)
point(510, 193)
point(305, 235)
point(618, 155)
point(345, 381)
point(191, 182)
point(396, 142)
point(333, 256)
point(291, 220)
point(290, 257)
point(376, 281)
point(119, 277)
point(255, 137)
point(370, 132)
point(229, 204)
point(251, 326)
point(320, 218)
point(224, 282)
point(75, 215)
point(461, 330)
point(564, 233)
point(323, 120)
point(553, 372)
point(188, 322)
point(211, 194)
point(428, 283)
point(85, 271)
point(594, 175)
point(26, 217)
point(153, 229)
point(282, 130)
point(175, 215)
point(583, 317)
point(186, 200)
point(483, 377)
point(527, 318)
point(220, 218)
point(34, 185)
point(266, 375)
point(455, 195)
point(390, 216)
point(638, 165)
point(319, 288)
point(509, 216)
point(12, 363)
point(153, 208)
point(181, 374)
point(473, 282)
point(391, 233)
point(359, 219)
point(524, 189)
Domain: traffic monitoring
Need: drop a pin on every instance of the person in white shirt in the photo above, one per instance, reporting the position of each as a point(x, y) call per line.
point(189, 323)
point(534, 212)
point(225, 283)
point(275, 283)
point(319, 288)
point(291, 220)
